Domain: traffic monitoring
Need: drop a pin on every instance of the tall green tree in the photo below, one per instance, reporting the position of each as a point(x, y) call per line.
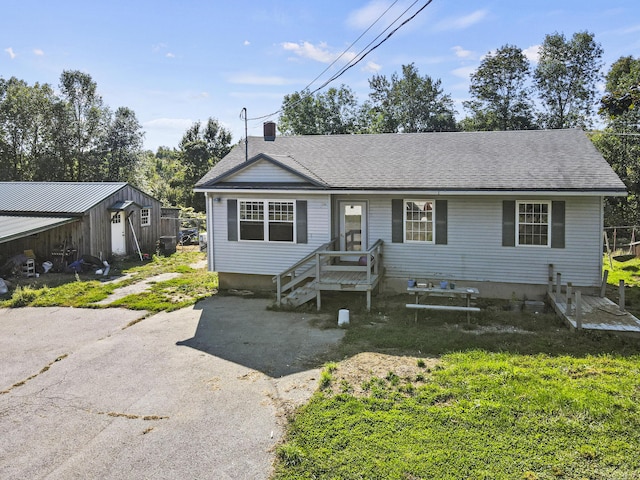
point(86, 119)
point(122, 145)
point(333, 112)
point(25, 119)
point(566, 79)
point(201, 148)
point(410, 103)
point(622, 98)
point(619, 141)
point(501, 97)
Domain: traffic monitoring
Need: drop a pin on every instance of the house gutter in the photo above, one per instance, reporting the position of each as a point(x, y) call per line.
point(451, 193)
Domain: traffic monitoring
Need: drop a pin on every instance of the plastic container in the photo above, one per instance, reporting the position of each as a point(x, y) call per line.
point(343, 317)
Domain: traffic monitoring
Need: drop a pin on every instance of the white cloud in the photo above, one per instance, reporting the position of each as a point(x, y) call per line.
point(252, 79)
point(372, 67)
point(532, 53)
point(170, 55)
point(461, 52)
point(9, 50)
point(365, 16)
point(38, 52)
point(463, 72)
point(460, 23)
point(246, 43)
point(319, 53)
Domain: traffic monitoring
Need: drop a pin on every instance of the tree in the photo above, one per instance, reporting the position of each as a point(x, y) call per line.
point(200, 149)
point(501, 98)
point(330, 113)
point(123, 145)
point(622, 96)
point(86, 120)
point(162, 176)
point(25, 118)
point(410, 104)
point(566, 79)
point(619, 142)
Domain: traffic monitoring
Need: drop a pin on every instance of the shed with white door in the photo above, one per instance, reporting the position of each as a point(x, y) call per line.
point(71, 219)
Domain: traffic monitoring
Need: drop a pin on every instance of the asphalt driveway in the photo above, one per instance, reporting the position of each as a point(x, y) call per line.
point(196, 393)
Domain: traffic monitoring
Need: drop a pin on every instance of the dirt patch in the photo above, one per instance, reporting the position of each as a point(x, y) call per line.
point(489, 329)
point(360, 368)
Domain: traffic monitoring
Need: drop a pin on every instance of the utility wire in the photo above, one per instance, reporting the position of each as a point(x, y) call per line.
point(352, 44)
point(363, 55)
point(358, 58)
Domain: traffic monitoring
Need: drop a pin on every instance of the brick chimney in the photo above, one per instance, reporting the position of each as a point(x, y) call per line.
point(269, 131)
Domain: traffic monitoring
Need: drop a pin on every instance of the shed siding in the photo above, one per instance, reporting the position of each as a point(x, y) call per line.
point(261, 257)
point(263, 171)
point(100, 224)
point(474, 251)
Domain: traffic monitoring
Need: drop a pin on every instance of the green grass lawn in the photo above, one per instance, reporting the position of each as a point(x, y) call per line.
point(84, 290)
point(628, 271)
point(478, 415)
point(511, 396)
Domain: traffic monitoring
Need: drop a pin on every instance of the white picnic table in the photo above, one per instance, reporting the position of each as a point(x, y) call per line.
point(426, 292)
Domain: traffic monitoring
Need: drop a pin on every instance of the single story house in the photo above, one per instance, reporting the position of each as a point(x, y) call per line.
point(484, 209)
point(61, 221)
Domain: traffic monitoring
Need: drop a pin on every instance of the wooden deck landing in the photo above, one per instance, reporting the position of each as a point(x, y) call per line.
point(347, 281)
point(597, 313)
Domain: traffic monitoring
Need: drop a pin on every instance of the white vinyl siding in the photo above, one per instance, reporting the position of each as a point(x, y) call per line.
point(267, 258)
point(263, 171)
point(474, 249)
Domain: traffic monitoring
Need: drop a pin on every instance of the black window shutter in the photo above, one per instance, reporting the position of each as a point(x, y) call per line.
point(301, 221)
point(509, 223)
point(232, 220)
point(441, 222)
point(397, 220)
point(557, 224)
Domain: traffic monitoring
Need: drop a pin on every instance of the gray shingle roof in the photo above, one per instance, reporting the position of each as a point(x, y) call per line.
point(54, 197)
point(530, 160)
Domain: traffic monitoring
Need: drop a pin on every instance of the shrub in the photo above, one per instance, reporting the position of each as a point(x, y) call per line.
point(23, 296)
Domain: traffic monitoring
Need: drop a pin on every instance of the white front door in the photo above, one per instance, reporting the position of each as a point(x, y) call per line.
point(353, 227)
point(118, 244)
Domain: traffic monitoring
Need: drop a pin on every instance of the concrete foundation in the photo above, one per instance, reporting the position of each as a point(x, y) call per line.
point(243, 281)
point(391, 286)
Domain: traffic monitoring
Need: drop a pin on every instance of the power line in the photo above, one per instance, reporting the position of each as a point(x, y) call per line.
point(352, 44)
point(359, 57)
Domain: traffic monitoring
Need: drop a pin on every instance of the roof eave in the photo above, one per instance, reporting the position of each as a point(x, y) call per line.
point(596, 192)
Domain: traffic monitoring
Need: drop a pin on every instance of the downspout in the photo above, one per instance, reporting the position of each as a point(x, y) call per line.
point(211, 253)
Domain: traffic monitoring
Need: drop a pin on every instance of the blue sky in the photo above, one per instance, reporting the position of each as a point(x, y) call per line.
point(175, 63)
